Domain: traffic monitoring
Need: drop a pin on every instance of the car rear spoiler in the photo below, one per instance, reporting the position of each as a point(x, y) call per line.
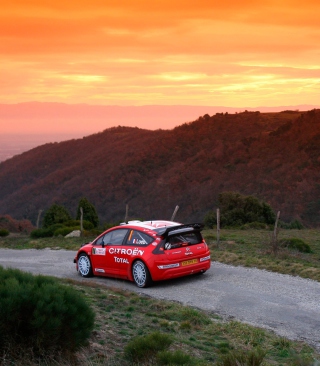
point(172, 230)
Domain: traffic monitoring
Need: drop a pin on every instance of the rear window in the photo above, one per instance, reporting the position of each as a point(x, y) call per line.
point(183, 239)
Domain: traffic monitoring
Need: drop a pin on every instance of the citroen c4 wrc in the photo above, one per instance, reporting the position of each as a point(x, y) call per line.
point(145, 251)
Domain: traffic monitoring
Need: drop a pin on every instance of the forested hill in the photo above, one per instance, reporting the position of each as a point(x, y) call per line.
point(274, 156)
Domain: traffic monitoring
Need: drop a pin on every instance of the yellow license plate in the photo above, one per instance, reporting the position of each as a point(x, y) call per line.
point(191, 261)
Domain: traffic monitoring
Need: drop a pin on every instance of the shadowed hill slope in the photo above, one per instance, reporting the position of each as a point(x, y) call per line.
point(275, 156)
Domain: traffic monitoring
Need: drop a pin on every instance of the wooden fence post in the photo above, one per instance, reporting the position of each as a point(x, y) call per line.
point(81, 221)
point(174, 213)
point(218, 227)
point(38, 219)
point(275, 235)
point(127, 212)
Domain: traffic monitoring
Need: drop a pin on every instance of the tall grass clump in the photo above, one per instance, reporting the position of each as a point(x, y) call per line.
point(174, 358)
point(145, 348)
point(254, 357)
point(39, 316)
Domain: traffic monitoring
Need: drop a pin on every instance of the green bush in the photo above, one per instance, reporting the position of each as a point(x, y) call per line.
point(56, 214)
point(210, 220)
point(144, 348)
point(237, 210)
point(89, 211)
point(54, 227)
point(87, 225)
point(296, 243)
point(4, 232)
point(65, 230)
point(295, 224)
point(39, 314)
point(41, 233)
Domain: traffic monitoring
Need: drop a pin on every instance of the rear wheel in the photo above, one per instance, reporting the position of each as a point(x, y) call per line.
point(141, 274)
point(84, 266)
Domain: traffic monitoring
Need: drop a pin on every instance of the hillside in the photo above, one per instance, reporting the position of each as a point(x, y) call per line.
point(275, 156)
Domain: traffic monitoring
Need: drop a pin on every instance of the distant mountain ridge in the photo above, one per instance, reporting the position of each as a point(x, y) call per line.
point(274, 156)
point(36, 117)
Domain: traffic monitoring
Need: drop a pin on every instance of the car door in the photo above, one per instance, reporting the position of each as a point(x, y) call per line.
point(134, 246)
point(105, 252)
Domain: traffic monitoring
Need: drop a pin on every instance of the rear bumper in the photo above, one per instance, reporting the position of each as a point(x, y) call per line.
point(167, 273)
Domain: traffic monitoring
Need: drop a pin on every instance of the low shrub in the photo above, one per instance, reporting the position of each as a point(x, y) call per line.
point(87, 225)
point(295, 224)
point(15, 226)
point(144, 348)
point(41, 233)
point(174, 358)
point(39, 314)
point(63, 231)
point(297, 244)
point(4, 232)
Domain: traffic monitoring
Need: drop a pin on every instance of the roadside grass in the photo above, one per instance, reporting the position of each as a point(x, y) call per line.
point(121, 316)
point(207, 339)
point(23, 241)
point(252, 248)
point(197, 338)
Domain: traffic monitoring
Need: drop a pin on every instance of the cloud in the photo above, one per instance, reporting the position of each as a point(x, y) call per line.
point(125, 52)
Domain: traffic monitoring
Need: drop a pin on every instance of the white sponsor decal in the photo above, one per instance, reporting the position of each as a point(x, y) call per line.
point(121, 260)
point(205, 258)
point(138, 241)
point(129, 251)
point(99, 251)
point(99, 270)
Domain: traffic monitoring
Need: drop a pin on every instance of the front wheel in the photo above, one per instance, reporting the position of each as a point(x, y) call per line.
point(141, 274)
point(84, 266)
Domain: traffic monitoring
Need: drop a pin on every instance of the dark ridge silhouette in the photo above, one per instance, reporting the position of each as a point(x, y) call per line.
point(273, 156)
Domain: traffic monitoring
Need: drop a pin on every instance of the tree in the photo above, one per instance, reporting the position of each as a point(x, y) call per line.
point(56, 214)
point(89, 212)
point(237, 210)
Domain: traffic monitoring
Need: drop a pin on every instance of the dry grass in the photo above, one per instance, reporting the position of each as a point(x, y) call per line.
point(253, 248)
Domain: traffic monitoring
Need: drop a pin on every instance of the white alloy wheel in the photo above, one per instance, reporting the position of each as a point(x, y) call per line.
point(141, 274)
point(84, 266)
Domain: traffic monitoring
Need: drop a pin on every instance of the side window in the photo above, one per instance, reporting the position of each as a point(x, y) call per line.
point(117, 236)
point(102, 239)
point(138, 238)
point(114, 237)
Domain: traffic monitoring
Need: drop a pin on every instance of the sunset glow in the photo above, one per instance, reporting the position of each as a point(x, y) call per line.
point(227, 53)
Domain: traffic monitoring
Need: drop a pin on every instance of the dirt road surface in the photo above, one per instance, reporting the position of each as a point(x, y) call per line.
point(287, 305)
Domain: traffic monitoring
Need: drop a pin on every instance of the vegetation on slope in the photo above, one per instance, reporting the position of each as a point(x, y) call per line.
point(273, 156)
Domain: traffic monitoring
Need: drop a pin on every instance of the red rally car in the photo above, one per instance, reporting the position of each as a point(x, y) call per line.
point(145, 251)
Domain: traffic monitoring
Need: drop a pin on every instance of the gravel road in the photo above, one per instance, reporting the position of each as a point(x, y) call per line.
point(287, 305)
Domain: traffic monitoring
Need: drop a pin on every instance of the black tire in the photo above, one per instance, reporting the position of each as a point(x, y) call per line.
point(84, 266)
point(141, 274)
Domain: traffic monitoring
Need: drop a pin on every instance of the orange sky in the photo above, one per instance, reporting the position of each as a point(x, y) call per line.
point(169, 52)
